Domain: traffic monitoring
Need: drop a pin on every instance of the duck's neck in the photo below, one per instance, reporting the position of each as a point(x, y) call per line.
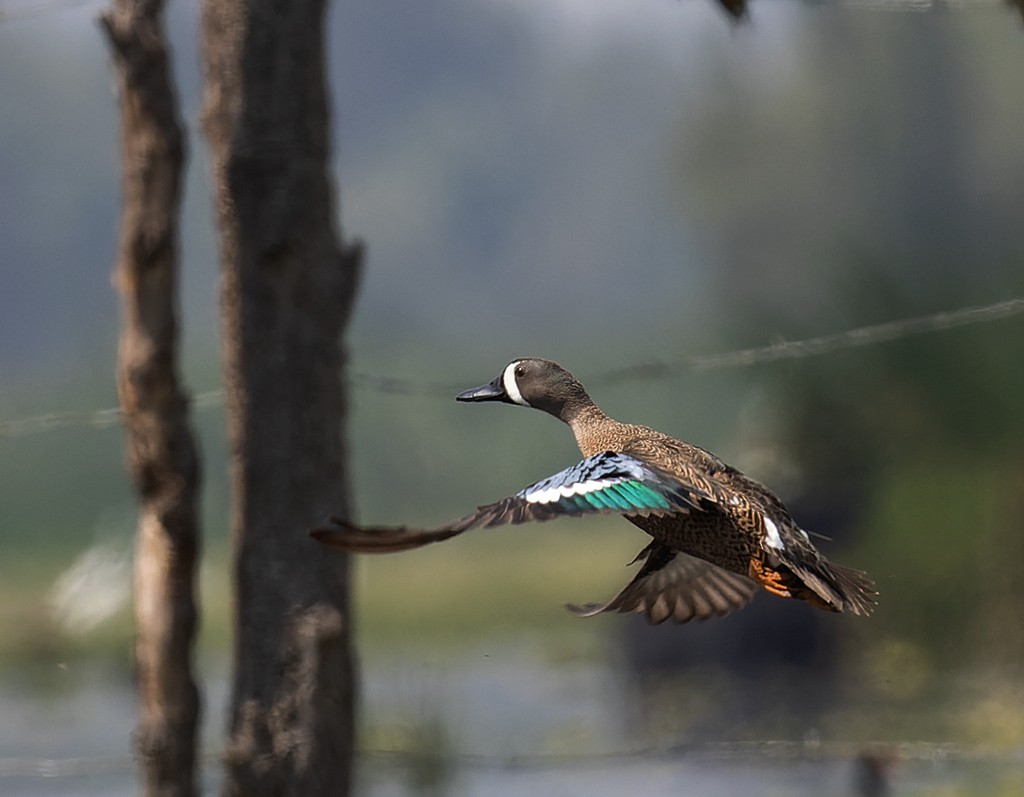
point(588, 423)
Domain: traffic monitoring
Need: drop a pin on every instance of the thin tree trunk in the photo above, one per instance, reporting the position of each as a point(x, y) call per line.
point(160, 451)
point(287, 290)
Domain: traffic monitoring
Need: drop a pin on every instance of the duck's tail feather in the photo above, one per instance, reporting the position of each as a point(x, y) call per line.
point(834, 588)
point(858, 592)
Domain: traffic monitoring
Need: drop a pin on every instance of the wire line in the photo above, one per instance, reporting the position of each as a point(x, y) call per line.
point(858, 337)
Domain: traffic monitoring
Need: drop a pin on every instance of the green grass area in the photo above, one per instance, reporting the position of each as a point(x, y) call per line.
point(492, 580)
point(469, 588)
point(510, 584)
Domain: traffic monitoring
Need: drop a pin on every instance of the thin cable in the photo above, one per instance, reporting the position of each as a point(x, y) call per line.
point(862, 336)
point(858, 337)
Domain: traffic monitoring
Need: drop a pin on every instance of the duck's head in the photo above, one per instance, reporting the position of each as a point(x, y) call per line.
point(533, 382)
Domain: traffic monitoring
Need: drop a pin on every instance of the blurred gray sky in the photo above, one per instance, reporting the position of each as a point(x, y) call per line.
point(612, 181)
point(508, 164)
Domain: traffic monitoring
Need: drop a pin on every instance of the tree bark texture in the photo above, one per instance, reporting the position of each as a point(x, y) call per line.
point(287, 290)
point(160, 448)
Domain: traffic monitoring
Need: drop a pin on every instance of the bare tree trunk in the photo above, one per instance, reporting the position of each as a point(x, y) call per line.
point(288, 285)
point(160, 451)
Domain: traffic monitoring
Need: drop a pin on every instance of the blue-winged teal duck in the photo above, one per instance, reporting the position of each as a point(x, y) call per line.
point(717, 535)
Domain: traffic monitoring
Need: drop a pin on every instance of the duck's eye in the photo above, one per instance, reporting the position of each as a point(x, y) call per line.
point(520, 371)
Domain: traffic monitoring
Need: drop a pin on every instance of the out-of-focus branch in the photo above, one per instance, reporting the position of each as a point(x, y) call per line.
point(160, 449)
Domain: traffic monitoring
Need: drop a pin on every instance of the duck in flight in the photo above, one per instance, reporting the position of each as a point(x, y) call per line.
point(716, 535)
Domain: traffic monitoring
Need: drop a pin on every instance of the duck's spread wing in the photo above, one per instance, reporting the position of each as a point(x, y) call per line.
point(610, 483)
point(675, 586)
point(606, 483)
point(347, 536)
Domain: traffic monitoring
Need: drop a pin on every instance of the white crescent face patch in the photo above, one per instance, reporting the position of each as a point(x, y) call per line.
point(508, 380)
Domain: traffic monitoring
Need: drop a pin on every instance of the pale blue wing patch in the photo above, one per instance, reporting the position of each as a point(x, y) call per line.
point(611, 482)
point(604, 483)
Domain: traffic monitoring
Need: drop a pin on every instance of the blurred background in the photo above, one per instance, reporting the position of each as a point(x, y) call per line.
point(612, 185)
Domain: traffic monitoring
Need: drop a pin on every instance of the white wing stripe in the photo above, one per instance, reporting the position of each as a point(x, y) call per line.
point(553, 494)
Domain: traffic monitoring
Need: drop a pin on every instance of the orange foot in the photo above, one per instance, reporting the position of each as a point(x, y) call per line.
point(775, 582)
point(770, 579)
